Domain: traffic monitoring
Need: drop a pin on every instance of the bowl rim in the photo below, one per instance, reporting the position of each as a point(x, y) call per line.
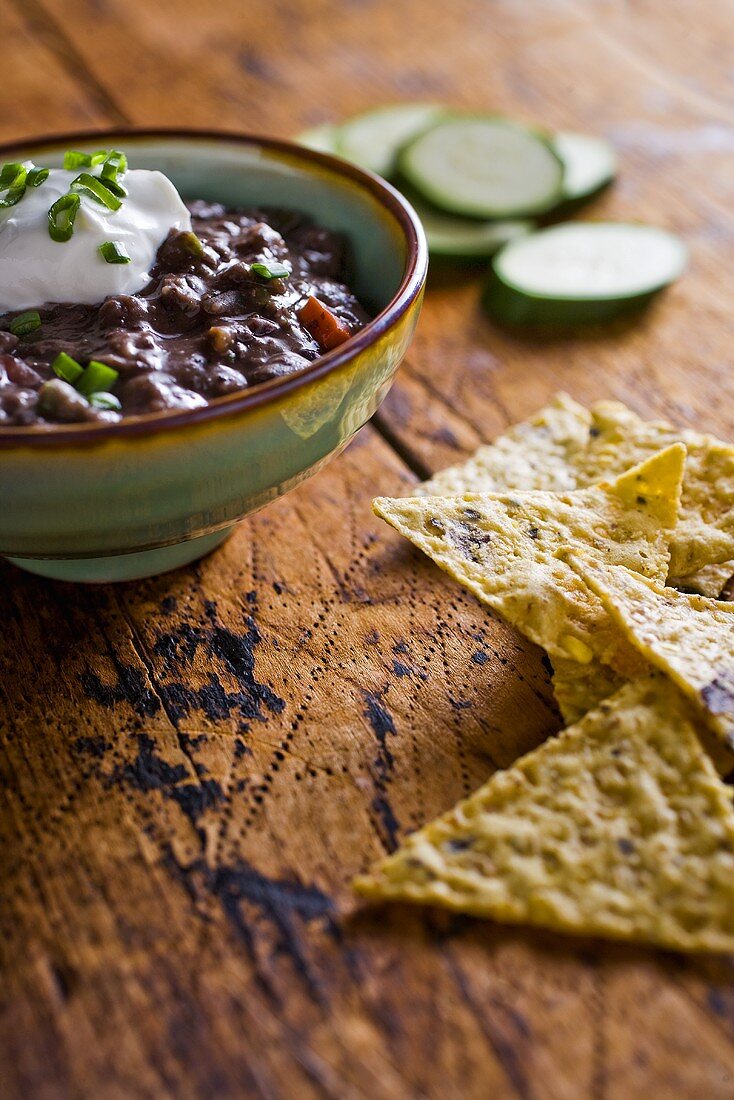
point(411, 285)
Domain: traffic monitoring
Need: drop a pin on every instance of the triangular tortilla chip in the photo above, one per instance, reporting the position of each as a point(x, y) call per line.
point(705, 531)
point(687, 636)
point(566, 446)
point(708, 581)
point(503, 548)
point(579, 688)
point(537, 454)
point(618, 827)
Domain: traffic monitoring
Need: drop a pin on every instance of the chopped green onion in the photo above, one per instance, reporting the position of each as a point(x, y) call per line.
point(191, 243)
point(96, 378)
point(115, 187)
point(105, 401)
point(67, 368)
point(114, 252)
point(115, 165)
point(61, 217)
point(95, 189)
point(272, 270)
point(25, 323)
point(11, 197)
point(12, 174)
point(13, 183)
point(36, 176)
point(74, 159)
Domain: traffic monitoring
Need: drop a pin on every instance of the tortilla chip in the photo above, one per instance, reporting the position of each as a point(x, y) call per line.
point(705, 531)
point(537, 454)
point(579, 688)
point(618, 827)
point(503, 548)
point(709, 581)
point(689, 637)
point(566, 446)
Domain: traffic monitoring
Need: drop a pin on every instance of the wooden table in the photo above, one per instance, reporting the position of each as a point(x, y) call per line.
point(194, 767)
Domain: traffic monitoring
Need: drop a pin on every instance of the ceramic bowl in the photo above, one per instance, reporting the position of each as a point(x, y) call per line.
point(95, 502)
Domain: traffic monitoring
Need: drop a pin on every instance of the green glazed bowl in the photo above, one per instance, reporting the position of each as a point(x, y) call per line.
point(98, 502)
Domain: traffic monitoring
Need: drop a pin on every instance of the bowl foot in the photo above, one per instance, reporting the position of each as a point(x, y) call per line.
point(124, 567)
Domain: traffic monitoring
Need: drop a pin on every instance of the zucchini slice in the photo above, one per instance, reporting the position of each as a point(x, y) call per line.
point(323, 138)
point(589, 163)
point(581, 272)
point(484, 167)
point(372, 140)
point(464, 238)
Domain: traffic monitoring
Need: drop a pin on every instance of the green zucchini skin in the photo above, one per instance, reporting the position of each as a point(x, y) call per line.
point(517, 309)
point(480, 244)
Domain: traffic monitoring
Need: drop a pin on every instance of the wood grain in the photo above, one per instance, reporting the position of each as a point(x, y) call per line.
point(192, 768)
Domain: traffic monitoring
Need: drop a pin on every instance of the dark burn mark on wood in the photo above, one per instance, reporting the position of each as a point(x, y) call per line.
point(169, 604)
point(150, 772)
point(195, 798)
point(383, 726)
point(400, 669)
point(718, 697)
point(91, 746)
point(234, 651)
point(181, 644)
point(64, 978)
point(287, 904)
point(446, 436)
point(129, 687)
point(717, 1002)
point(480, 657)
point(256, 65)
point(505, 1029)
point(187, 741)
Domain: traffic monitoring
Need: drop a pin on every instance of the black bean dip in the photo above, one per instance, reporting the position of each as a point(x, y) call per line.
point(205, 326)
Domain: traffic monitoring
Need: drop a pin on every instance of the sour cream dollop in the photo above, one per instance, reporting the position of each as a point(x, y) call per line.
point(34, 269)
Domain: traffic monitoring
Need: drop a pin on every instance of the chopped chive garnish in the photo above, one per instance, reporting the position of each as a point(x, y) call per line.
point(61, 217)
point(97, 378)
point(114, 252)
point(95, 188)
point(115, 165)
point(105, 401)
point(13, 178)
point(272, 270)
point(191, 243)
point(115, 187)
point(9, 174)
point(66, 368)
point(75, 159)
point(25, 323)
point(12, 196)
point(36, 176)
